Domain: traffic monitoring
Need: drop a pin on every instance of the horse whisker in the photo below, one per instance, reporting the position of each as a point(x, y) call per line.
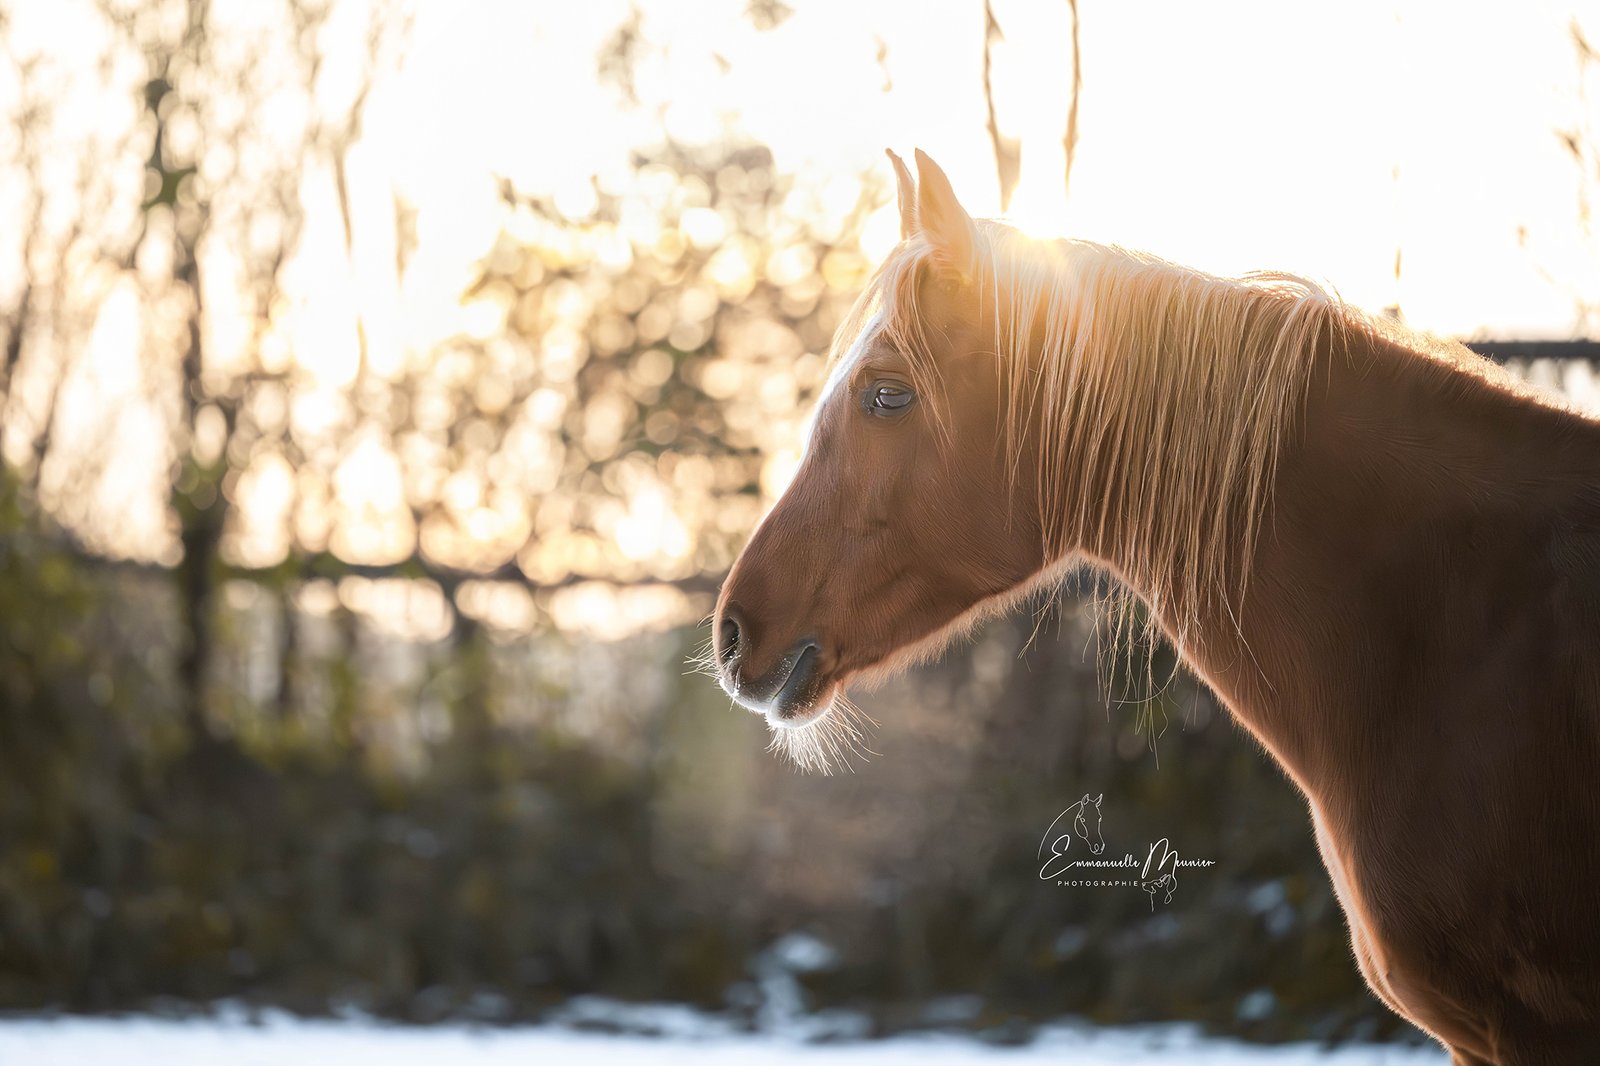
point(834, 740)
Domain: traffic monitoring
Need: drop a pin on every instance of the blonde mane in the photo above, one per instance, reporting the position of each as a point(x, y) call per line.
point(1158, 398)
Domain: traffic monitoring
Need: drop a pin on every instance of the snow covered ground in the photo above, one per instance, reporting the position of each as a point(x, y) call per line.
point(276, 1039)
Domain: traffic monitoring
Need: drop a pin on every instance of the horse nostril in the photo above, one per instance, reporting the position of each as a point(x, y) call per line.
point(729, 632)
point(797, 686)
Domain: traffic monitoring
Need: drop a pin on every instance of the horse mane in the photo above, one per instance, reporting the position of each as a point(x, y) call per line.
point(1159, 397)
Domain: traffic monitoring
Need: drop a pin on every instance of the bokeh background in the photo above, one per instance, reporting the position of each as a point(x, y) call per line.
point(387, 384)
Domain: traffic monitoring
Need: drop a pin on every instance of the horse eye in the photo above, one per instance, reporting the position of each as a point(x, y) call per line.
point(889, 398)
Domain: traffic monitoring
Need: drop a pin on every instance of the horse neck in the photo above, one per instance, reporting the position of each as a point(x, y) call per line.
point(1398, 463)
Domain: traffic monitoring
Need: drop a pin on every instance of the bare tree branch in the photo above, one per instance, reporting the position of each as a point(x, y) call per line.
point(1070, 141)
point(1007, 152)
point(327, 566)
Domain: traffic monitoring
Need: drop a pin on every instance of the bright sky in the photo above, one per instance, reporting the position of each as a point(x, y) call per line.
point(1236, 135)
point(1233, 135)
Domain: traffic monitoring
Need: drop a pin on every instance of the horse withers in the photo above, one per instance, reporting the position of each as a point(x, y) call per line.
point(1380, 551)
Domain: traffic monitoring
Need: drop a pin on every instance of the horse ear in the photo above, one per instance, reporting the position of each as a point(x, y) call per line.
point(906, 194)
point(1098, 798)
point(943, 220)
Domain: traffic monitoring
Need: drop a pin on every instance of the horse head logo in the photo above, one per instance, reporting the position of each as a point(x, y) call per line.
point(1084, 818)
point(1087, 824)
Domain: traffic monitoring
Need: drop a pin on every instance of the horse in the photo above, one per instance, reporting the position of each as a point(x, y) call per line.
point(1089, 831)
point(1379, 551)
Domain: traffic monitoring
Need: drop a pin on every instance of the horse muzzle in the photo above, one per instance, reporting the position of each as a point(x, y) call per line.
point(787, 691)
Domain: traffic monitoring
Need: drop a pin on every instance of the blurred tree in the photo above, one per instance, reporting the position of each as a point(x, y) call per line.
point(673, 333)
point(1582, 141)
point(1579, 140)
point(219, 210)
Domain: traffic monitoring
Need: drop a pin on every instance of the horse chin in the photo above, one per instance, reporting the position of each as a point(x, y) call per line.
point(805, 715)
